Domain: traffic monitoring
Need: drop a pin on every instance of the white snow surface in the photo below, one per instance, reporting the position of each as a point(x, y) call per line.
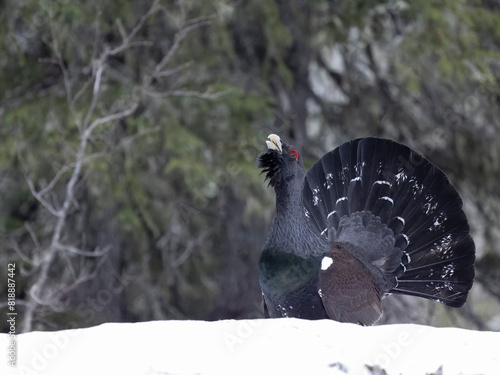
point(271, 346)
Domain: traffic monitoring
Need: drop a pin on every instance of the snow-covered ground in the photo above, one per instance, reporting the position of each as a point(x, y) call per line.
point(273, 346)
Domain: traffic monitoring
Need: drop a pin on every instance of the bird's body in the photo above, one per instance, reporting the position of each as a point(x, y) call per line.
point(371, 218)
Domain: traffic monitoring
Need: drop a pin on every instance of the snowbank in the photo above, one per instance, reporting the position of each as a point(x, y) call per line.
point(273, 346)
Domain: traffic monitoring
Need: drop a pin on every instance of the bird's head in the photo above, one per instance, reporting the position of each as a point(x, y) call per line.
point(281, 162)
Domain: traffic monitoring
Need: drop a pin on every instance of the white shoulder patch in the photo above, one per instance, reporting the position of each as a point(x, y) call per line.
point(326, 263)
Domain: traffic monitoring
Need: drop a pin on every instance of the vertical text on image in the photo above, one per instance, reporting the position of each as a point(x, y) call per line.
point(11, 313)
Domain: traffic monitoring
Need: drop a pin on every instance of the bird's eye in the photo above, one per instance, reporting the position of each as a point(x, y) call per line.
point(295, 154)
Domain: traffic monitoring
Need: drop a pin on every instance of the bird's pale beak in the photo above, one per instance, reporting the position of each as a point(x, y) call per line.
point(274, 143)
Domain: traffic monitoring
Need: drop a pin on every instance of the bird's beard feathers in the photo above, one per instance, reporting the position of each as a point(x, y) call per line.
point(271, 165)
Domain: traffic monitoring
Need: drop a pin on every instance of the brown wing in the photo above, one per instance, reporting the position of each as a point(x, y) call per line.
point(347, 288)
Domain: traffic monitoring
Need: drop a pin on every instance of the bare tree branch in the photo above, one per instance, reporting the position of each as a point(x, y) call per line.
point(41, 292)
point(128, 140)
point(54, 181)
point(32, 234)
point(202, 95)
point(37, 195)
point(109, 118)
point(36, 299)
point(17, 249)
point(60, 63)
point(51, 252)
point(84, 276)
point(74, 250)
point(95, 95)
point(128, 38)
point(179, 36)
point(169, 72)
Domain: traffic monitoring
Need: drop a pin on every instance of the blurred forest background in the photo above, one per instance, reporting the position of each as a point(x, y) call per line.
point(129, 132)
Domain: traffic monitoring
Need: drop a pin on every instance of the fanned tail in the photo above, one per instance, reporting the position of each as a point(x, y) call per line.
point(408, 195)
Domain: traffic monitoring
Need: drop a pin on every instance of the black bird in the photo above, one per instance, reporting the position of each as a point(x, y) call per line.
point(370, 218)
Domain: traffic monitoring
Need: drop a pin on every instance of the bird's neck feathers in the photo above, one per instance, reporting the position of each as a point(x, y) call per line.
point(289, 200)
point(291, 232)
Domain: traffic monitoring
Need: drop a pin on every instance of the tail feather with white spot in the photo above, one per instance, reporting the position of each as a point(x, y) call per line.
point(409, 196)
